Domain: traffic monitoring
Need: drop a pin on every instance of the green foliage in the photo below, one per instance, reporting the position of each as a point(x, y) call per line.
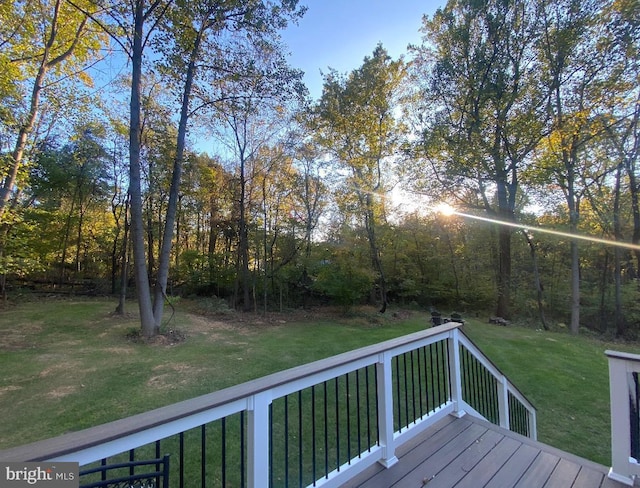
point(343, 279)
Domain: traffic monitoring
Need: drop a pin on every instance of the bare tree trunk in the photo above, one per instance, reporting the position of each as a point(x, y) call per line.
point(145, 307)
point(536, 277)
point(617, 232)
point(504, 272)
point(375, 253)
point(124, 260)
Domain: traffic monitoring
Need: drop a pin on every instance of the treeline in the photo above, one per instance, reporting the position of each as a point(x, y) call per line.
point(204, 169)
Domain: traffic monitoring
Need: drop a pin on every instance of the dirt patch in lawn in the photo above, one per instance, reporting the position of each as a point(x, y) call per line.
point(60, 367)
point(19, 338)
point(172, 376)
point(5, 389)
point(61, 391)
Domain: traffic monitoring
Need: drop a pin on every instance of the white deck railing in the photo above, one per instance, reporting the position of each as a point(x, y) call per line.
point(623, 373)
point(359, 406)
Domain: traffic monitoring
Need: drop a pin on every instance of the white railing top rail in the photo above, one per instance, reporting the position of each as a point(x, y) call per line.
point(625, 356)
point(223, 402)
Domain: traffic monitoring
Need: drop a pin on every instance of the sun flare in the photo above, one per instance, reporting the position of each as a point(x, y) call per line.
point(445, 209)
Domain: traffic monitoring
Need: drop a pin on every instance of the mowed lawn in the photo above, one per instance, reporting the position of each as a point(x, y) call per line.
point(70, 364)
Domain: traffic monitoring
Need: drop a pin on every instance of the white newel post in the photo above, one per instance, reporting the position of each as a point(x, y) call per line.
point(620, 425)
point(503, 401)
point(385, 410)
point(258, 440)
point(455, 375)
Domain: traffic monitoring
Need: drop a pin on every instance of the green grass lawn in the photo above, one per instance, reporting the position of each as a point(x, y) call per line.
point(69, 364)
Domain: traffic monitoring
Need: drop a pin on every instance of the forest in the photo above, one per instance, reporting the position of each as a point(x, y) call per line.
point(152, 149)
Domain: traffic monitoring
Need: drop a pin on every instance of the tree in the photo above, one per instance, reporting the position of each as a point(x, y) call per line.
point(357, 125)
point(310, 202)
point(42, 43)
point(480, 109)
point(574, 63)
point(195, 32)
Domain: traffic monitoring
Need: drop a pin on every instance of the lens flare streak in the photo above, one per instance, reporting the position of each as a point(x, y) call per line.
point(628, 245)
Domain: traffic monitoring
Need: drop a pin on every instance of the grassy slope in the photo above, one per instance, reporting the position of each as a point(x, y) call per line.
point(67, 365)
point(565, 377)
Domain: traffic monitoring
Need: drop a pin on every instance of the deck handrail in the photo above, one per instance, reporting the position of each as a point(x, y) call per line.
point(254, 398)
point(623, 368)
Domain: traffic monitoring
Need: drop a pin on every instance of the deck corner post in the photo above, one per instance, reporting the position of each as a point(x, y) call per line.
point(620, 423)
point(385, 410)
point(503, 401)
point(258, 427)
point(455, 372)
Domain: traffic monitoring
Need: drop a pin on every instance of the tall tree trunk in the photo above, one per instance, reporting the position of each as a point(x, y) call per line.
point(536, 277)
point(147, 322)
point(504, 272)
point(574, 326)
point(617, 232)
point(124, 262)
point(375, 253)
point(164, 257)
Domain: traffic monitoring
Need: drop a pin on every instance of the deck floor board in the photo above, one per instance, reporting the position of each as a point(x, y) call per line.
point(471, 453)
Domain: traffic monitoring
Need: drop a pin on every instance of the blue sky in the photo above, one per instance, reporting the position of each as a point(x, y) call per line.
point(338, 34)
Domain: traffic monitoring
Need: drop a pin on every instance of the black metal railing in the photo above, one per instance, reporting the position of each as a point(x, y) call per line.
point(310, 425)
point(210, 455)
point(421, 383)
point(491, 395)
point(317, 430)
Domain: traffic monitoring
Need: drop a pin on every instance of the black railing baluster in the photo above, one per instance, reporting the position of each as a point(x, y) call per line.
point(476, 390)
point(314, 452)
point(413, 388)
point(634, 414)
point(420, 383)
point(366, 376)
point(429, 378)
point(406, 390)
point(470, 373)
point(398, 408)
point(434, 386)
point(348, 405)
point(337, 409)
point(482, 390)
point(132, 457)
point(286, 440)
point(374, 414)
point(447, 372)
point(358, 413)
point(326, 431)
point(181, 457)
point(493, 390)
point(465, 371)
point(242, 451)
point(203, 459)
point(223, 450)
point(158, 457)
point(439, 372)
point(300, 438)
point(271, 465)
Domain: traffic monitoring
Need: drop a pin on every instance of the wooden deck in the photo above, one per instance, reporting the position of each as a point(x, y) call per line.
point(468, 452)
